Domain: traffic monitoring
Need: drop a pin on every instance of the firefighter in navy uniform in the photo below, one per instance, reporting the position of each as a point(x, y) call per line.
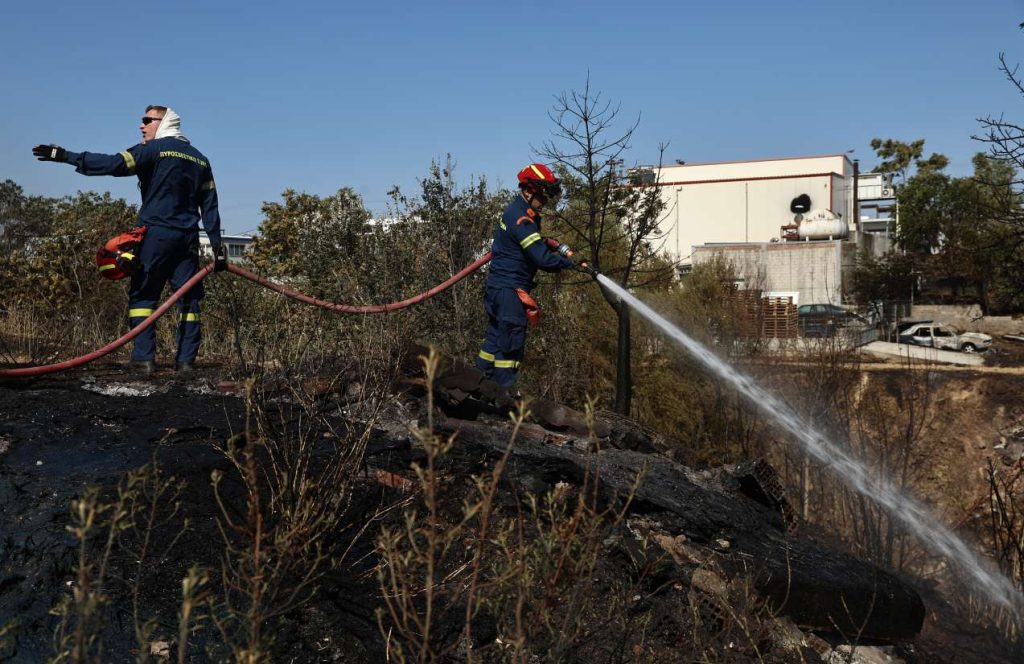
point(517, 252)
point(177, 191)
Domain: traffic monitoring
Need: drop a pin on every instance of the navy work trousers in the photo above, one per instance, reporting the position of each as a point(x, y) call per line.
point(502, 350)
point(166, 254)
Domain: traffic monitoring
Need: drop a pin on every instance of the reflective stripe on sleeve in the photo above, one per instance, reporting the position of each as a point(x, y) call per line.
point(529, 239)
point(129, 161)
point(484, 355)
point(139, 313)
point(191, 317)
point(208, 185)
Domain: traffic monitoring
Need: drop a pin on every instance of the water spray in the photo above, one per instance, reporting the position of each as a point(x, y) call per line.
point(909, 511)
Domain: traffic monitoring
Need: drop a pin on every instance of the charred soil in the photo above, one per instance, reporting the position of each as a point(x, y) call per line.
point(684, 562)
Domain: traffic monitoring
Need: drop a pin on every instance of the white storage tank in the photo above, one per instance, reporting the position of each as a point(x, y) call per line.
point(822, 225)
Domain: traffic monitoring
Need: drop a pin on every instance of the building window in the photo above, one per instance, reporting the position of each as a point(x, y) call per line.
point(236, 250)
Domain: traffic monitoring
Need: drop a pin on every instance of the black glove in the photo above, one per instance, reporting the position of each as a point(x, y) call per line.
point(220, 258)
point(50, 153)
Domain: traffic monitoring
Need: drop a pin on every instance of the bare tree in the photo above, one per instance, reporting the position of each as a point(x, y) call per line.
point(614, 217)
point(1005, 188)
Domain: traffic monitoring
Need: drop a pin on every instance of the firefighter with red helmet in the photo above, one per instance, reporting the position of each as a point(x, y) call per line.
point(518, 252)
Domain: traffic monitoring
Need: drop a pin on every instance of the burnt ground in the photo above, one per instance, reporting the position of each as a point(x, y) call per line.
point(59, 438)
point(62, 434)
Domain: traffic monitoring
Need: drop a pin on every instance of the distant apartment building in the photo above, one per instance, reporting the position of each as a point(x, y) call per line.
point(878, 217)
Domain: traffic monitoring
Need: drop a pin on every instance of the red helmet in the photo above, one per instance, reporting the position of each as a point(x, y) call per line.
point(539, 179)
point(117, 259)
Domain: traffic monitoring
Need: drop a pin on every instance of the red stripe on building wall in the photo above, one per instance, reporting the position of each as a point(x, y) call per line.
point(766, 177)
point(809, 157)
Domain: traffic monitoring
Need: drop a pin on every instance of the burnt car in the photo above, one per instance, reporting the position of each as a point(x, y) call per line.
point(944, 337)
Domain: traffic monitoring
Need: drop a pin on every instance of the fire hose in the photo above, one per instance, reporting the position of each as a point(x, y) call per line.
point(22, 372)
point(113, 345)
point(369, 309)
point(262, 281)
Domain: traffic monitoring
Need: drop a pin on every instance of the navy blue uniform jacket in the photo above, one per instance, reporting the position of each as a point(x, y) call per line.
point(175, 178)
point(518, 249)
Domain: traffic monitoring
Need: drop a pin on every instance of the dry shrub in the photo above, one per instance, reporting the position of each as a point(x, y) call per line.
point(492, 583)
point(560, 577)
point(283, 517)
point(1002, 526)
point(34, 335)
point(109, 531)
point(282, 511)
point(544, 589)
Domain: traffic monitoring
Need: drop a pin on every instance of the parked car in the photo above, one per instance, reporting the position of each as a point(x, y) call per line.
point(944, 337)
point(822, 320)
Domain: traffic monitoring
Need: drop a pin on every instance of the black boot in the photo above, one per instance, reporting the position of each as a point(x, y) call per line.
point(145, 367)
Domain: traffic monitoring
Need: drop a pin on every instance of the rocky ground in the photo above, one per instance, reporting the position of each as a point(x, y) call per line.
point(731, 565)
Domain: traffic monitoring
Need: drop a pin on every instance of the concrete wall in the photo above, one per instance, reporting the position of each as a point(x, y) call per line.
point(968, 317)
point(811, 271)
point(747, 201)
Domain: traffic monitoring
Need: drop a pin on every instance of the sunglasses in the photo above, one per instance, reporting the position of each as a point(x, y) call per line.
point(147, 120)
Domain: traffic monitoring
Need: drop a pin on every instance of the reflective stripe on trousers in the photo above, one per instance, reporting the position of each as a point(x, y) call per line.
point(501, 354)
point(166, 255)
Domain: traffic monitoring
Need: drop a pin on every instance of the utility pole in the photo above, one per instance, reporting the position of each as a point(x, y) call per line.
point(856, 194)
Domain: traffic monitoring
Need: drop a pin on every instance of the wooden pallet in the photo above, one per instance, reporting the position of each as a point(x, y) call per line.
point(770, 317)
point(779, 318)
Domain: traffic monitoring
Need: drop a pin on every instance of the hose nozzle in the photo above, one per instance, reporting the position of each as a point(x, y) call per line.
point(584, 266)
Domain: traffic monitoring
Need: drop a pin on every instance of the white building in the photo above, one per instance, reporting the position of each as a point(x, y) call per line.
point(877, 197)
point(235, 244)
point(748, 201)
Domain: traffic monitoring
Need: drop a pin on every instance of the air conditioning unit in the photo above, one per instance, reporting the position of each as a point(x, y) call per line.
point(888, 192)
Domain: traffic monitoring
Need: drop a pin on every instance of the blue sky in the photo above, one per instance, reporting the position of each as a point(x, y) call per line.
point(320, 95)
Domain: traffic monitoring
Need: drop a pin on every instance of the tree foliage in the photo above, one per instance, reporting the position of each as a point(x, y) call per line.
point(898, 157)
point(305, 236)
point(332, 247)
point(954, 229)
point(22, 218)
point(1005, 187)
point(886, 278)
point(49, 247)
point(442, 230)
point(48, 273)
